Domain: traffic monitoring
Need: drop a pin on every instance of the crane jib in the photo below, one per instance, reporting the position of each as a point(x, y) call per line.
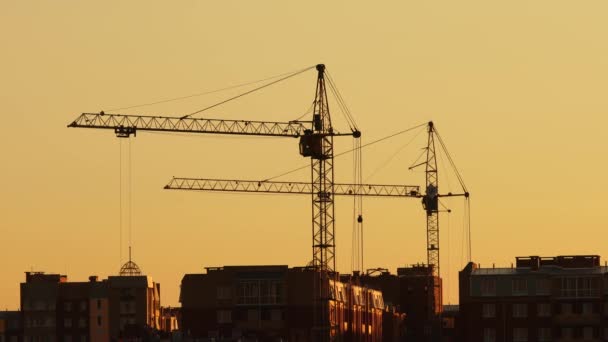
point(127, 125)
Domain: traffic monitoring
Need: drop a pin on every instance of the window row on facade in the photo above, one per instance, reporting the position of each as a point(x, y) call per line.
point(544, 334)
point(565, 287)
point(521, 310)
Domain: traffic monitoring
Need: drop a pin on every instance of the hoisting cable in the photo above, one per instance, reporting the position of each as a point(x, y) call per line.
point(130, 198)
point(463, 237)
point(247, 92)
point(348, 151)
point(354, 258)
point(448, 252)
point(359, 182)
point(202, 93)
point(120, 201)
point(358, 243)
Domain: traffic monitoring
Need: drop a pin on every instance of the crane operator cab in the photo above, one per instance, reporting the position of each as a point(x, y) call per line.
point(311, 145)
point(430, 201)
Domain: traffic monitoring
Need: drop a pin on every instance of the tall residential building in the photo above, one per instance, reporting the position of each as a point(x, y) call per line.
point(563, 298)
point(277, 303)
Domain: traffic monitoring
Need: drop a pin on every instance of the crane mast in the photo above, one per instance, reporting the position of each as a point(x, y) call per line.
point(431, 203)
point(322, 174)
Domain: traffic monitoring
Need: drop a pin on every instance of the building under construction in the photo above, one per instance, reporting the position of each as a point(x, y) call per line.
point(274, 303)
point(413, 291)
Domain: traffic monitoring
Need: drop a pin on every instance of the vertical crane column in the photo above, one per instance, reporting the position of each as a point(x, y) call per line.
point(322, 172)
point(431, 204)
point(317, 143)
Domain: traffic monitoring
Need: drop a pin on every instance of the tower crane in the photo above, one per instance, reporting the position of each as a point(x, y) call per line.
point(430, 199)
point(316, 142)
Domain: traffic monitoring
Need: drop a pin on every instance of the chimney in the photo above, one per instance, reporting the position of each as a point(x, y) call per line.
point(93, 278)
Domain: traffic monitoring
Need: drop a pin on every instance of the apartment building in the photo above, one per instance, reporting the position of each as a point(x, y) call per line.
point(276, 302)
point(53, 309)
point(563, 298)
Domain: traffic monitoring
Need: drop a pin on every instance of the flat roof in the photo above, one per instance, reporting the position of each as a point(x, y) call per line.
point(548, 270)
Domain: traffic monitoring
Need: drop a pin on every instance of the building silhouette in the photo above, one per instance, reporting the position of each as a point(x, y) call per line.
point(10, 326)
point(414, 291)
point(120, 307)
point(273, 303)
point(563, 298)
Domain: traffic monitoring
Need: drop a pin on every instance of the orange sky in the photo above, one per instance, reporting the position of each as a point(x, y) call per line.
point(517, 90)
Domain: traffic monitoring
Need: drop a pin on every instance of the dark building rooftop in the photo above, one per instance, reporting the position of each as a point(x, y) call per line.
point(563, 264)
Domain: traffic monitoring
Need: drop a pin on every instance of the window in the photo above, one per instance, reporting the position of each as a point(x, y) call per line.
point(520, 335)
point(249, 292)
point(67, 323)
point(543, 287)
point(224, 293)
point(488, 287)
point(520, 310)
point(587, 287)
point(82, 323)
point(67, 306)
point(276, 315)
point(99, 304)
point(566, 308)
point(568, 288)
point(488, 310)
point(544, 334)
point(567, 332)
point(588, 333)
point(83, 338)
point(543, 310)
point(253, 315)
point(580, 287)
point(224, 316)
point(83, 306)
point(98, 321)
point(489, 335)
point(275, 292)
point(519, 286)
point(587, 308)
point(67, 338)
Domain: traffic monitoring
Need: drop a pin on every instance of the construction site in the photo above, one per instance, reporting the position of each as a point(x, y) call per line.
point(313, 301)
point(201, 171)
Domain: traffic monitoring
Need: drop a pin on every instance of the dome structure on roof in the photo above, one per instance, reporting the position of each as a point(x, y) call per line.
point(130, 268)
